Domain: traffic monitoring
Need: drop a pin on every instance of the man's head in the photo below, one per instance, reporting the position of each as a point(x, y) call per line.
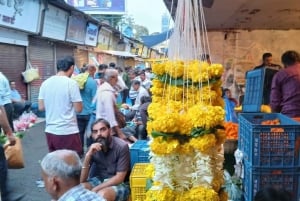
point(102, 68)
point(60, 171)
point(290, 58)
point(142, 75)
point(66, 65)
point(101, 133)
point(136, 85)
point(12, 85)
point(112, 65)
point(111, 76)
point(91, 68)
point(267, 59)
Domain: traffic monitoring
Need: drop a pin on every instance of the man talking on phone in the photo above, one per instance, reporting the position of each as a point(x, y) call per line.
point(106, 165)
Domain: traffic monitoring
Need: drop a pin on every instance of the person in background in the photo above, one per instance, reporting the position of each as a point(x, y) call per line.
point(141, 91)
point(206, 58)
point(100, 74)
point(230, 104)
point(126, 79)
point(144, 81)
point(285, 90)
point(60, 97)
point(5, 99)
point(87, 95)
point(20, 105)
point(149, 74)
point(271, 194)
point(112, 65)
point(61, 173)
point(267, 62)
point(133, 75)
point(143, 110)
point(106, 101)
point(106, 164)
point(3, 164)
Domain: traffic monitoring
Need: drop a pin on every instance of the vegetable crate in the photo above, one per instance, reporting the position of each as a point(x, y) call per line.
point(265, 146)
point(139, 152)
point(138, 181)
point(258, 87)
point(256, 179)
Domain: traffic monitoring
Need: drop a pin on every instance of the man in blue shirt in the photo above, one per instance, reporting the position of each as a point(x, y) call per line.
point(20, 105)
point(87, 95)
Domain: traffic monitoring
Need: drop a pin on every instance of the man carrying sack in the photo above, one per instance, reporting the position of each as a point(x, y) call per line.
point(3, 164)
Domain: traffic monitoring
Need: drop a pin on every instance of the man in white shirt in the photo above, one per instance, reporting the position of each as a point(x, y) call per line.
point(106, 101)
point(141, 91)
point(60, 98)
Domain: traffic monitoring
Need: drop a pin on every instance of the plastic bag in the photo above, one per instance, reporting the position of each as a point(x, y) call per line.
point(81, 79)
point(30, 74)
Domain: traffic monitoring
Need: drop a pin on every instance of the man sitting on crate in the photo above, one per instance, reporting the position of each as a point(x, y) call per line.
point(106, 164)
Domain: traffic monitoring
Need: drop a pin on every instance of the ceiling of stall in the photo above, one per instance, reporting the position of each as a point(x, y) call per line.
point(249, 14)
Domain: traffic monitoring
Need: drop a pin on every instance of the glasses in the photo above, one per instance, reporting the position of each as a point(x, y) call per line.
point(103, 129)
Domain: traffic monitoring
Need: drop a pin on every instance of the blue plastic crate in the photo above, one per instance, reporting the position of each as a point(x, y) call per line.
point(263, 147)
point(139, 152)
point(253, 91)
point(258, 88)
point(259, 178)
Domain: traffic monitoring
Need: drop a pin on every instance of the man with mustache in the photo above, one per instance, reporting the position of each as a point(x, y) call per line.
point(106, 165)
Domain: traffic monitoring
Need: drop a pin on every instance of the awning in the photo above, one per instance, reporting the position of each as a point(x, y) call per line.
point(119, 53)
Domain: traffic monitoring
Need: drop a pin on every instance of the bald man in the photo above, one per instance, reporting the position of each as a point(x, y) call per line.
point(61, 173)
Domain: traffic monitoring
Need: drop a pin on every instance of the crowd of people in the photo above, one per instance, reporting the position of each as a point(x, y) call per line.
point(88, 133)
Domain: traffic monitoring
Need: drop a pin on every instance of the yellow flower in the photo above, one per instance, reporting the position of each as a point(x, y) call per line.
point(158, 68)
point(174, 69)
point(160, 146)
point(201, 194)
point(205, 116)
point(204, 143)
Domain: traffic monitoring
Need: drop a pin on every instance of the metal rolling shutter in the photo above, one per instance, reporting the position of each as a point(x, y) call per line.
point(63, 50)
point(41, 55)
point(12, 64)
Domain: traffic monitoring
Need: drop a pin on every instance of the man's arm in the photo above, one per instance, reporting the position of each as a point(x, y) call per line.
point(41, 105)
point(5, 125)
point(77, 106)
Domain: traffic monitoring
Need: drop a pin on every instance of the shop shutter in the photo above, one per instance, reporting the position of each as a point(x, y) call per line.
point(12, 64)
point(41, 55)
point(63, 50)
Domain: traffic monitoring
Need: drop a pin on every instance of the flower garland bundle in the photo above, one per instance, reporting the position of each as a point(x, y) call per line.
point(186, 118)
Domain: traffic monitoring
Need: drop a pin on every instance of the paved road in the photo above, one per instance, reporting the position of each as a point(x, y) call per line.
point(22, 181)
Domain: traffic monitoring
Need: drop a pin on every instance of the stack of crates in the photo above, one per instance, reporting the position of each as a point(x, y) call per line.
point(138, 181)
point(271, 153)
point(139, 152)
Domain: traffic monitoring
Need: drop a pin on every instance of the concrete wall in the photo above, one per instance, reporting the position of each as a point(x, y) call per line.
point(240, 51)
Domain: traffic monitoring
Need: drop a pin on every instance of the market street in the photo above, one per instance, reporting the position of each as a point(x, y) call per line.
point(22, 182)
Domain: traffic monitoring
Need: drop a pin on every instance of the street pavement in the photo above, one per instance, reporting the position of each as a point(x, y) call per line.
point(22, 182)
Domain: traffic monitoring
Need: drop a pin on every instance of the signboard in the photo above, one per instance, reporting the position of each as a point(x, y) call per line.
point(23, 14)
point(76, 29)
point(104, 39)
point(55, 23)
point(91, 35)
point(99, 6)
